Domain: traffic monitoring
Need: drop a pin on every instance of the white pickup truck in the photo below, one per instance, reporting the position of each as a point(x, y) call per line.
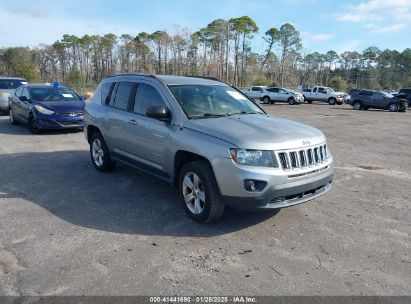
point(325, 94)
point(253, 92)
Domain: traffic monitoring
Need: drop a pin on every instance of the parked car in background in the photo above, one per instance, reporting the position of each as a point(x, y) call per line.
point(324, 94)
point(273, 95)
point(405, 93)
point(366, 99)
point(7, 87)
point(253, 92)
point(205, 137)
point(44, 107)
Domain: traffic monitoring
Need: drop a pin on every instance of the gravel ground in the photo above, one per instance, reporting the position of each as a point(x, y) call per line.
point(66, 229)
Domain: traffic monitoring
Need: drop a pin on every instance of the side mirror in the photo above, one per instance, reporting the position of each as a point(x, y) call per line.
point(159, 112)
point(24, 98)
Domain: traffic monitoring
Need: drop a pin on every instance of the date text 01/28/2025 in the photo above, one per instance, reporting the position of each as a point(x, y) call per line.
point(206, 299)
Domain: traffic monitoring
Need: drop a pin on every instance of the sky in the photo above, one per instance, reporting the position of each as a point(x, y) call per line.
point(345, 25)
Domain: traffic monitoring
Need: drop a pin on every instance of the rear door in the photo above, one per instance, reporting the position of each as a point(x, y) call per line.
point(273, 93)
point(378, 100)
point(322, 94)
point(24, 107)
point(118, 115)
point(256, 92)
point(15, 103)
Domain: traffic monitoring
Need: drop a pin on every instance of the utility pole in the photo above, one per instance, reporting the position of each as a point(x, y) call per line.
point(226, 52)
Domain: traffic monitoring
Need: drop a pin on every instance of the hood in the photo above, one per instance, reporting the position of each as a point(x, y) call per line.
point(64, 106)
point(256, 131)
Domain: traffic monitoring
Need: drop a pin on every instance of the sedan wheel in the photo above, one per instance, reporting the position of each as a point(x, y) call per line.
point(393, 107)
point(193, 191)
point(266, 100)
point(33, 125)
point(11, 117)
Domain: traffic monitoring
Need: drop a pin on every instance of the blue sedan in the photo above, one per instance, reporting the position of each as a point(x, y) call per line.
point(46, 107)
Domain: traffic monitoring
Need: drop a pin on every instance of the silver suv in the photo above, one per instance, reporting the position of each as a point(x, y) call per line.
point(208, 139)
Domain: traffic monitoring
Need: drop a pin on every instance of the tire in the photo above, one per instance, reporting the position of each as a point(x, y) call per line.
point(199, 193)
point(272, 101)
point(332, 101)
point(357, 106)
point(309, 101)
point(11, 117)
point(365, 108)
point(99, 154)
point(33, 125)
point(291, 101)
point(266, 100)
point(393, 107)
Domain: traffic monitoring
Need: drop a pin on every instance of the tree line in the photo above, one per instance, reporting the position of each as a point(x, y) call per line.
point(222, 49)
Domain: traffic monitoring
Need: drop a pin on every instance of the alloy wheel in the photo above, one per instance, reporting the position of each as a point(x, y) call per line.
point(97, 152)
point(193, 193)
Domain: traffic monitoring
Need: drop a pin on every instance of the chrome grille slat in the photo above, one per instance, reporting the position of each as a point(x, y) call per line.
point(302, 158)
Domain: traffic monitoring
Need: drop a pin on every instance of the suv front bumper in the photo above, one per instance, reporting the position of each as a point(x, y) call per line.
point(281, 190)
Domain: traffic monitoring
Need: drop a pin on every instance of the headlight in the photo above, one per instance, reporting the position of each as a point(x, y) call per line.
point(254, 157)
point(43, 110)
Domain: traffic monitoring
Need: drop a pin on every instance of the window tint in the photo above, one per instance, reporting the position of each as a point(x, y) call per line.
point(281, 91)
point(10, 84)
point(18, 92)
point(256, 89)
point(123, 95)
point(315, 90)
point(106, 90)
point(322, 90)
point(273, 90)
point(25, 93)
point(146, 97)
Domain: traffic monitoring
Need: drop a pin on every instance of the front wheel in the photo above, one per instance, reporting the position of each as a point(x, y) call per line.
point(332, 101)
point(393, 107)
point(99, 153)
point(291, 101)
point(33, 124)
point(199, 192)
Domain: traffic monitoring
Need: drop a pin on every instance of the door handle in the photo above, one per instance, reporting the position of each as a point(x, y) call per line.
point(132, 122)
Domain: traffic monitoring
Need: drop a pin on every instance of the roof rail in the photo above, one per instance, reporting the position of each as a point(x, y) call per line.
point(133, 74)
point(205, 77)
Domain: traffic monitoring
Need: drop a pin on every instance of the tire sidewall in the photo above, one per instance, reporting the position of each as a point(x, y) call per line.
point(332, 101)
point(291, 101)
point(393, 109)
point(107, 162)
point(211, 194)
point(359, 106)
point(266, 100)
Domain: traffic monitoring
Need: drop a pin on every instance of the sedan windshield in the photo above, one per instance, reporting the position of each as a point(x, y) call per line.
point(202, 101)
point(10, 84)
point(54, 94)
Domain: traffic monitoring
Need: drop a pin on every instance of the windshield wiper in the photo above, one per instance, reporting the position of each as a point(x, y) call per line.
point(245, 112)
point(207, 115)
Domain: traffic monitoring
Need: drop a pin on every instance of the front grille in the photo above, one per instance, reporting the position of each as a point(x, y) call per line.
point(72, 114)
point(303, 158)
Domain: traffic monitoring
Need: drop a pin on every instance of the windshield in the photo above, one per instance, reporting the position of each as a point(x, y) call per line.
point(201, 101)
point(11, 84)
point(54, 94)
point(387, 94)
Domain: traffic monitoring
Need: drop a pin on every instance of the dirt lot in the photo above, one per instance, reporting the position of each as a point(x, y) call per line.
point(67, 229)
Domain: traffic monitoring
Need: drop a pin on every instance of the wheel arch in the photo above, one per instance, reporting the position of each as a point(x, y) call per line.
point(91, 130)
point(183, 157)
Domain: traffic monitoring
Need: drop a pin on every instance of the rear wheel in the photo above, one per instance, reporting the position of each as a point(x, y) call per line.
point(309, 101)
point(199, 192)
point(357, 106)
point(266, 100)
point(11, 117)
point(99, 153)
point(393, 107)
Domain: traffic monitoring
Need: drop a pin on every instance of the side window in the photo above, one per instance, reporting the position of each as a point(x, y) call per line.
point(315, 90)
point(274, 90)
point(18, 92)
point(25, 93)
point(123, 93)
point(256, 89)
point(106, 91)
point(281, 91)
point(146, 97)
point(321, 90)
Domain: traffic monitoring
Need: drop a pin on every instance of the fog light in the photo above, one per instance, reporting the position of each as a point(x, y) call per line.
point(254, 185)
